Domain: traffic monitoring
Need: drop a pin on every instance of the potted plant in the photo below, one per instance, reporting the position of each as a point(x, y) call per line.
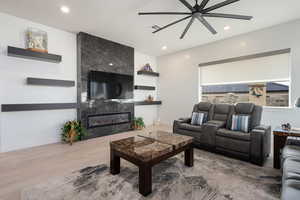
point(139, 123)
point(73, 131)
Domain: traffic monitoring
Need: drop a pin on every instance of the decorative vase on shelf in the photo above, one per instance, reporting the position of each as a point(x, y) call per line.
point(147, 68)
point(36, 40)
point(149, 98)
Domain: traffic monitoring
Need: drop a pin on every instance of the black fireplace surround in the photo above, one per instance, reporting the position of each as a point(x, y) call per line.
point(102, 117)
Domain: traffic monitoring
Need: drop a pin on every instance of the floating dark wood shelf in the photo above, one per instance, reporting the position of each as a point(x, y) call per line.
point(24, 53)
point(31, 107)
point(50, 82)
point(141, 103)
point(142, 87)
point(143, 72)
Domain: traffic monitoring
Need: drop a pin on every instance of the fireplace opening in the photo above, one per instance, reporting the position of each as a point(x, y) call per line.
point(108, 119)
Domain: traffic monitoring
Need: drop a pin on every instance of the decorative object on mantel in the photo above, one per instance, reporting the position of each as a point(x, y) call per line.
point(138, 123)
point(73, 131)
point(147, 68)
point(37, 40)
point(286, 127)
point(150, 98)
point(298, 103)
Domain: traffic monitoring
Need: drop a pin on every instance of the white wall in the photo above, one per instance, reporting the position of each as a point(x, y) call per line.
point(26, 129)
point(179, 85)
point(33, 128)
point(148, 112)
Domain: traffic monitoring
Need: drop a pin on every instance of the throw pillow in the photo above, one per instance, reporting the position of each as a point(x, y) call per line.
point(198, 118)
point(240, 123)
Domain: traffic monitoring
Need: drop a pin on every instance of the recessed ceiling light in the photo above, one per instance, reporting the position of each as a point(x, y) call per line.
point(187, 56)
point(164, 48)
point(226, 28)
point(111, 64)
point(65, 9)
point(243, 44)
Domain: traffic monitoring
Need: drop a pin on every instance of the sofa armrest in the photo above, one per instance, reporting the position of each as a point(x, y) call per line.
point(177, 123)
point(262, 127)
point(260, 144)
point(293, 141)
point(184, 120)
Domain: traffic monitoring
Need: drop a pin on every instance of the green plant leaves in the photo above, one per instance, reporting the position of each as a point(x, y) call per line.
point(76, 125)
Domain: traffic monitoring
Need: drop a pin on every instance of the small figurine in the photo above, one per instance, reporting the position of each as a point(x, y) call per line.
point(150, 98)
point(286, 127)
point(147, 67)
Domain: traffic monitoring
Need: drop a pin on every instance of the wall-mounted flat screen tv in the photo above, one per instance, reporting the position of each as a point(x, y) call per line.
point(104, 85)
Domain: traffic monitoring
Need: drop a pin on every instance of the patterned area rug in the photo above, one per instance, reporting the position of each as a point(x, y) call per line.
point(213, 177)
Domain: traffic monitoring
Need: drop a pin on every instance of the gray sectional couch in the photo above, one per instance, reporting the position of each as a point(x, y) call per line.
point(291, 170)
point(215, 134)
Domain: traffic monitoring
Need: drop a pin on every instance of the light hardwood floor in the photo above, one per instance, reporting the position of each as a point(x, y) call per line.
point(23, 168)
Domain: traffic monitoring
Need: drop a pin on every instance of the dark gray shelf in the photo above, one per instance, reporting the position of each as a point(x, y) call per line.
point(31, 107)
point(142, 87)
point(142, 72)
point(24, 53)
point(144, 103)
point(50, 82)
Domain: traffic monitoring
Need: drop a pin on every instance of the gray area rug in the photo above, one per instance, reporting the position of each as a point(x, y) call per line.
point(213, 177)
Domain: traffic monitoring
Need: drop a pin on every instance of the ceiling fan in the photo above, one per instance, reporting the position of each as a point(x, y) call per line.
point(199, 12)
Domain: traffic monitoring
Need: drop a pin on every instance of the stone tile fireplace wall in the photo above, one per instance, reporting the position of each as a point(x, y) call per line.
point(97, 54)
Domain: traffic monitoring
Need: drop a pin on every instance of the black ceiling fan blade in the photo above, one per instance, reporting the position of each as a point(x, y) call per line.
point(189, 6)
point(171, 24)
point(221, 15)
point(164, 13)
point(187, 28)
point(203, 4)
point(206, 24)
point(219, 5)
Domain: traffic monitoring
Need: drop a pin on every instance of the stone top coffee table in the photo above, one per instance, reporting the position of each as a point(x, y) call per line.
point(147, 150)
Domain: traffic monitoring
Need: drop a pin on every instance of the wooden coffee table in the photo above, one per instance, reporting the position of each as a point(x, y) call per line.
point(147, 150)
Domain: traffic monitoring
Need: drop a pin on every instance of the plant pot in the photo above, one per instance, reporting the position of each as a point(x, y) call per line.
point(135, 127)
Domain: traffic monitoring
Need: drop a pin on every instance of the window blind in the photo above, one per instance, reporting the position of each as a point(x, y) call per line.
point(270, 68)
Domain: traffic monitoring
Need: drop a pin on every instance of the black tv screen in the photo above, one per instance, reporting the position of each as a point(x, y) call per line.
point(104, 85)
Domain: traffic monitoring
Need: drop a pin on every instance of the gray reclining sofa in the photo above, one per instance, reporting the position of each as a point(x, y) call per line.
point(215, 134)
point(291, 170)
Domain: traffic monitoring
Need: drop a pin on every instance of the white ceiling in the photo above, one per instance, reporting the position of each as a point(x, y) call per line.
point(117, 20)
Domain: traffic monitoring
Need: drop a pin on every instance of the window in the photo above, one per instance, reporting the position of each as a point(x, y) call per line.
point(265, 94)
point(264, 81)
